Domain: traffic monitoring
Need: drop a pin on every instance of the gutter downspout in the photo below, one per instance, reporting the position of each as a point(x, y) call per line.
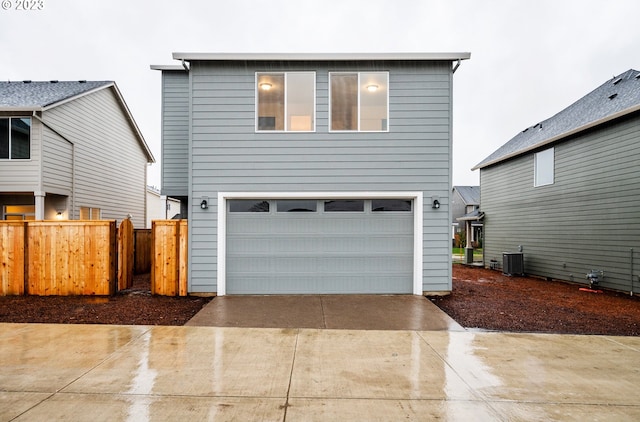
point(73, 163)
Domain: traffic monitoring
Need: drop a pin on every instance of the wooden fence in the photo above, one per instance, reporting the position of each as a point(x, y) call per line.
point(142, 251)
point(169, 257)
point(81, 257)
point(58, 258)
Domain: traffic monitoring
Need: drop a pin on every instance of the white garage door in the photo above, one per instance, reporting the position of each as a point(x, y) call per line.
point(316, 246)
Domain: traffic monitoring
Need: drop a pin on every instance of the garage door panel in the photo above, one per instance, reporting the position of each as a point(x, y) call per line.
point(315, 253)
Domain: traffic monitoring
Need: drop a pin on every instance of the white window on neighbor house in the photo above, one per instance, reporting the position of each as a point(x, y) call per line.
point(544, 167)
point(285, 101)
point(88, 213)
point(359, 101)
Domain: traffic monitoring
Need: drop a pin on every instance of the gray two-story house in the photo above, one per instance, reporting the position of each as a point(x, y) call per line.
point(312, 173)
point(566, 191)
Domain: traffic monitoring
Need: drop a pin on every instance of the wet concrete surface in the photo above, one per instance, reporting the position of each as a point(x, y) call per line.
point(140, 373)
point(354, 312)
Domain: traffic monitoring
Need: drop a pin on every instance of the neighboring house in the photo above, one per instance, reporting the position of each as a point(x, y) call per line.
point(312, 173)
point(465, 202)
point(567, 190)
point(70, 150)
point(159, 207)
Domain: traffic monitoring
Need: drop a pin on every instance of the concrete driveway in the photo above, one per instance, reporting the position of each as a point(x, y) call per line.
point(140, 373)
point(355, 312)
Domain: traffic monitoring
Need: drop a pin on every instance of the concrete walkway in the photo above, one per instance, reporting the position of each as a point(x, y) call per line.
point(139, 373)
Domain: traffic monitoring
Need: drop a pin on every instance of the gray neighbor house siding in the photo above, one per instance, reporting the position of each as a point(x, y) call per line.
point(227, 154)
point(589, 217)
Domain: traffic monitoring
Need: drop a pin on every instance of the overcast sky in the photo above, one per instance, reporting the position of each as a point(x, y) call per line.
point(529, 59)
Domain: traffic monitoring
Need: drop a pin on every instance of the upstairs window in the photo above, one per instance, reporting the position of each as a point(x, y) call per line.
point(285, 101)
point(544, 167)
point(15, 138)
point(359, 101)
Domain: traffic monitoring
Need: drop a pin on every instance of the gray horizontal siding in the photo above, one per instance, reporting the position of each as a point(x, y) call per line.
point(175, 133)
point(228, 155)
point(57, 163)
point(110, 164)
point(588, 219)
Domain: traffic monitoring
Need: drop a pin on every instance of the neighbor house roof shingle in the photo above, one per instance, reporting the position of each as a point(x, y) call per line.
point(469, 194)
point(615, 98)
point(30, 95)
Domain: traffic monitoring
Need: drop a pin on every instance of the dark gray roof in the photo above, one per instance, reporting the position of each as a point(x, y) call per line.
point(614, 98)
point(469, 194)
point(33, 95)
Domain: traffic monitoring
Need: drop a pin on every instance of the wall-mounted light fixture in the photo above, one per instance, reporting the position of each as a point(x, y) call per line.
point(59, 215)
point(372, 88)
point(435, 202)
point(205, 202)
point(265, 86)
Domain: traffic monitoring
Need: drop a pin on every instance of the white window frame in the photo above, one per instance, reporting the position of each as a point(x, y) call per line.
point(418, 217)
point(358, 119)
point(257, 93)
point(544, 171)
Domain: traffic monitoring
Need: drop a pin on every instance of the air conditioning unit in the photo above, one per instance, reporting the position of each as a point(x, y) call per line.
point(513, 263)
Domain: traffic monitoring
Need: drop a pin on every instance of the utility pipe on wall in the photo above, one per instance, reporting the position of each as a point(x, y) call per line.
point(631, 270)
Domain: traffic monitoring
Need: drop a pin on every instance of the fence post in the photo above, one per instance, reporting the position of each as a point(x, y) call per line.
point(183, 258)
point(125, 255)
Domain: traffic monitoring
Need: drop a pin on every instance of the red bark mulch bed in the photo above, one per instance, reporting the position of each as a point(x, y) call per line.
point(487, 299)
point(135, 306)
point(481, 298)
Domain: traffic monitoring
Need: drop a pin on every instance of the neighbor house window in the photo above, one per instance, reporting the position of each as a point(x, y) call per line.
point(88, 213)
point(15, 138)
point(543, 167)
point(19, 212)
point(359, 101)
point(285, 101)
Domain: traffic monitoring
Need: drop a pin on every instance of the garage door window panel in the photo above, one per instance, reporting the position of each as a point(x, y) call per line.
point(391, 205)
point(297, 205)
point(248, 205)
point(344, 205)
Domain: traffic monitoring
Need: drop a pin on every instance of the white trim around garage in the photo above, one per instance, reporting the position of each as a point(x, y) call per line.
point(417, 224)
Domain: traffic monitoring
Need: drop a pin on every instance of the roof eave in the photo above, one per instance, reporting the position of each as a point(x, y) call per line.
point(559, 137)
point(150, 158)
point(172, 67)
point(321, 56)
point(20, 109)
